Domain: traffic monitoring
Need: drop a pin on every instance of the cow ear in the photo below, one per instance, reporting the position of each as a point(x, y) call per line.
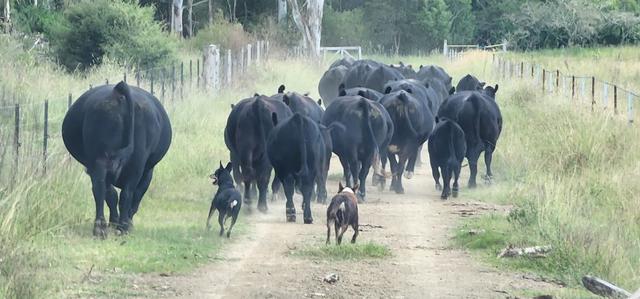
point(409, 90)
point(232, 105)
point(387, 90)
point(274, 118)
point(452, 90)
point(361, 93)
point(221, 165)
point(256, 94)
point(495, 89)
point(228, 167)
point(281, 88)
point(355, 187)
point(319, 102)
point(421, 66)
point(286, 100)
point(340, 187)
point(437, 119)
point(342, 92)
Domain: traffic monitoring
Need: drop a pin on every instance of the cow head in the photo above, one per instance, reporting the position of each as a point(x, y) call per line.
point(491, 91)
point(222, 175)
point(281, 89)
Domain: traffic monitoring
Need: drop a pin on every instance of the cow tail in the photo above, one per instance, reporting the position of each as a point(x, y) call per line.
point(405, 102)
point(303, 145)
point(257, 109)
point(123, 89)
point(366, 113)
point(476, 121)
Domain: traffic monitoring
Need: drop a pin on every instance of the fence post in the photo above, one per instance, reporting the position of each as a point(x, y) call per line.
point(190, 73)
point(605, 95)
point(45, 136)
point(173, 81)
point(521, 69)
point(258, 53)
point(151, 79)
point(242, 60)
point(249, 54)
point(544, 75)
point(615, 99)
point(630, 107)
point(181, 80)
point(532, 70)
point(198, 73)
point(445, 48)
point(211, 67)
point(124, 77)
point(573, 86)
point(593, 93)
point(163, 72)
point(69, 101)
point(229, 67)
point(16, 135)
point(557, 79)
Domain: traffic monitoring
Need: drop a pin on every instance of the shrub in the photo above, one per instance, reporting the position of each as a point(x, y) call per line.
point(120, 30)
point(344, 28)
point(36, 19)
point(225, 34)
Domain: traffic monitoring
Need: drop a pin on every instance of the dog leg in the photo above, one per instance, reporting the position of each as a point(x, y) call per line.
point(355, 233)
point(343, 229)
point(233, 222)
point(211, 211)
point(221, 215)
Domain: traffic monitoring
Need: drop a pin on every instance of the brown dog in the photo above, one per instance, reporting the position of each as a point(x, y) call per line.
point(343, 211)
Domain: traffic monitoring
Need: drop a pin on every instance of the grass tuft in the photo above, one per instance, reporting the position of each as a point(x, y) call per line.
point(348, 251)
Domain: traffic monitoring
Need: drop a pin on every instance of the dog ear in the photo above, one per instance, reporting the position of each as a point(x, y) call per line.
point(221, 165)
point(355, 187)
point(228, 167)
point(340, 187)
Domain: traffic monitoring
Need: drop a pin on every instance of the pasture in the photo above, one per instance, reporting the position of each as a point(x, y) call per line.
point(565, 176)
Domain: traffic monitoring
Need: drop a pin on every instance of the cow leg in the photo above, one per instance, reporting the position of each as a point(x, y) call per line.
point(413, 157)
point(247, 193)
point(321, 186)
point(99, 187)
point(418, 159)
point(436, 174)
point(346, 171)
point(446, 182)
point(354, 166)
point(403, 161)
point(263, 186)
point(393, 165)
point(488, 156)
point(307, 190)
point(472, 158)
point(275, 188)
point(456, 176)
point(126, 199)
point(362, 176)
point(288, 185)
point(112, 203)
point(141, 189)
point(254, 189)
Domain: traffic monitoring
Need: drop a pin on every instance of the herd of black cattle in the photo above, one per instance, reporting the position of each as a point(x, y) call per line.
point(374, 113)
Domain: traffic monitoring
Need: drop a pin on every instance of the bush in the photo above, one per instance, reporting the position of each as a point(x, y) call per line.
point(225, 34)
point(36, 19)
point(119, 30)
point(344, 28)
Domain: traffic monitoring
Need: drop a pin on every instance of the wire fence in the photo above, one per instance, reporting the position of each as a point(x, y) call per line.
point(30, 131)
point(600, 95)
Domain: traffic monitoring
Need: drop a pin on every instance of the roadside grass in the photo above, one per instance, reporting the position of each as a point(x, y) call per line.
point(345, 251)
point(571, 176)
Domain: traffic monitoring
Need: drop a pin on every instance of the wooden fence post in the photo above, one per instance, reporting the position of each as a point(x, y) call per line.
point(229, 67)
point(45, 136)
point(163, 73)
point(557, 79)
point(198, 73)
point(593, 93)
point(151, 79)
point(69, 99)
point(181, 80)
point(16, 136)
point(573, 86)
point(138, 78)
point(630, 107)
point(544, 74)
point(173, 81)
point(124, 77)
point(258, 52)
point(190, 72)
point(211, 68)
point(615, 99)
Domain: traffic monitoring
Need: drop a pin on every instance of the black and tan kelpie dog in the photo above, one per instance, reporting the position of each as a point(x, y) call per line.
point(227, 199)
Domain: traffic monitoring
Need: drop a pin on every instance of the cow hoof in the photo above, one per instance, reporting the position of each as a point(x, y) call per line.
point(408, 174)
point(113, 223)
point(488, 179)
point(308, 220)
point(124, 227)
point(399, 190)
point(100, 229)
point(472, 184)
point(291, 215)
point(228, 235)
point(263, 208)
point(444, 196)
point(438, 187)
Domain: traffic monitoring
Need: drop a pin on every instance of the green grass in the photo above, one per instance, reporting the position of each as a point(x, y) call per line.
point(345, 251)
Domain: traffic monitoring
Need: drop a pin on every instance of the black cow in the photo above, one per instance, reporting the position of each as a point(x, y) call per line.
point(434, 72)
point(346, 61)
point(413, 123)
point(361, 91)
point(447, 148)
point(245, 135)
point(119, 133)
point(297, 152)
point(357, 75)
point(377, 78)
point(405, 69)
point(300, 103)
point(420, 90)
point(364, 129)
point(469, 83)
point(331, 79)
point(479, 116)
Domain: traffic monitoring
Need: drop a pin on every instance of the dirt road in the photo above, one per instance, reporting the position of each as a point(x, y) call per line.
point(416, 226)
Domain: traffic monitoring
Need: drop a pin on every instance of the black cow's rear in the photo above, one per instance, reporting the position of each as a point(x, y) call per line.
point(297, 151)
point(248, 127)
point(119, 133)
point(447, 148)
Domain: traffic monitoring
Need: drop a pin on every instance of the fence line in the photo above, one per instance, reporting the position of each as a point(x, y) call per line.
point(579, 89)
point(172, 81)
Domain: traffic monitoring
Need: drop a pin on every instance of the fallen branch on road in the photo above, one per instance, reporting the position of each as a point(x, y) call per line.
point(536, 251)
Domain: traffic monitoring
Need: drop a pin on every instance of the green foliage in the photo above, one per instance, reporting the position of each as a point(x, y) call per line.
point(463, 21)
point(119, 30)
point(344, 28)
point(435, 20)
point(223, 33)
point(36, 19)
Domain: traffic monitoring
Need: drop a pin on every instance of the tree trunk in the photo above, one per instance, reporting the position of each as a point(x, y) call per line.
point(282, 11)
point(176, 17)
point(190, 18)
point(7, 11)
point(311, 26)
point(210, 12)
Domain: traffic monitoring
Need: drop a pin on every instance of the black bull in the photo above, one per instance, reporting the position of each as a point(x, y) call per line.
point(119, 133)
